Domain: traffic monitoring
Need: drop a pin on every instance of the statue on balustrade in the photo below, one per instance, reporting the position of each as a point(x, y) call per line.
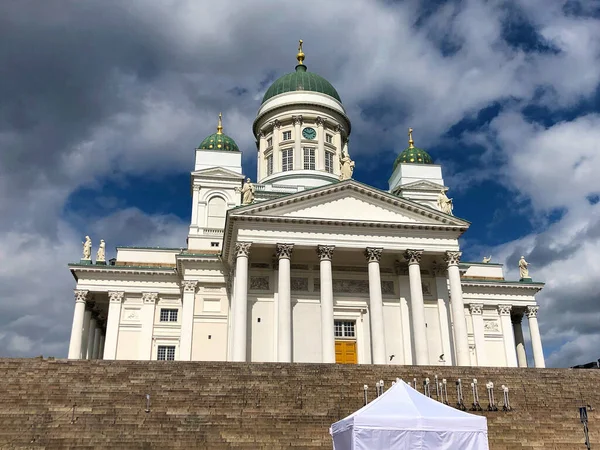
point(101, 254)
point(247, 192)
point(523, 268)
point(445, 203)
point(87, 248)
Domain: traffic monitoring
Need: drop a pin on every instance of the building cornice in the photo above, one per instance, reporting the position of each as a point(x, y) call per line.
point(136, 270)
point(537, 286)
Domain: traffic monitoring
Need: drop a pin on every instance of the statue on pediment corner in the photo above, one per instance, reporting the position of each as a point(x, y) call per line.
point(247, 192)
point(444, 203)
point(346, 166)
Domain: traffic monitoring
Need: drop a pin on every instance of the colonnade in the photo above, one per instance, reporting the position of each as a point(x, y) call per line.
point(87, 333)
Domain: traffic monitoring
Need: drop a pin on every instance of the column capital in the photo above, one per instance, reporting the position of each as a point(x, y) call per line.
point(149, 297)
point(373, 254)
point(242, 249)
point(339, 128)
point(262, 134)
point(320, 121)
point(504, 310)
point(275, 124)
point(116, 296)
point(452, 258)
point(476, 308)
point(325, 252)
point(413, 256)
point(532, 311)
point(297, 120)
point(196, 187)
point(284, 251)
point(516, 319)
point(80, 295)
point(189, 285)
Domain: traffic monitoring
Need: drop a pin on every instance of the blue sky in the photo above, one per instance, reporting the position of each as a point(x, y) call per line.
point(104, 103)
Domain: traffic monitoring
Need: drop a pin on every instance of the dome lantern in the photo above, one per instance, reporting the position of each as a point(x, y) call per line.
point(412, 154)
point(219, 141)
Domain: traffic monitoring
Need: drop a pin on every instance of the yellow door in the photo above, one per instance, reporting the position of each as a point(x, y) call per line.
point(345, 352)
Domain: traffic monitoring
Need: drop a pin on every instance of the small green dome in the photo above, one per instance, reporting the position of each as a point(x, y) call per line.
point(412, 155)
point(301, 80)
point(219, 141)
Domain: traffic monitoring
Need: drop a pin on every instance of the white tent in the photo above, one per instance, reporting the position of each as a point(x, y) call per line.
point(404, 419)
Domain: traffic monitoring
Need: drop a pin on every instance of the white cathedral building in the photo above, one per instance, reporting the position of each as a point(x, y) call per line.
point(307, 264)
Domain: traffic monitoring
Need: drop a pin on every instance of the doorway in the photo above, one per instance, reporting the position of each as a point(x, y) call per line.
point(345, 342)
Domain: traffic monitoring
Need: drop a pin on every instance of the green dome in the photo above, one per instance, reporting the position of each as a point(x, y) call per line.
point(219, 141)
point(413, 155)
point(301, 80)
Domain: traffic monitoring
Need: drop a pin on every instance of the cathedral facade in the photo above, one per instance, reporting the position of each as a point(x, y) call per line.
point(306, 264)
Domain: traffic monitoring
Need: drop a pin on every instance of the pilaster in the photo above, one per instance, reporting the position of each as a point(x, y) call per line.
point(478, 332)
point(147, 319)
point(112, 324)
point(187, 319)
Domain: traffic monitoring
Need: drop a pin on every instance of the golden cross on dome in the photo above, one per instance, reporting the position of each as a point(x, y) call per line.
point(411, 143)
point(300, 55)
point(220, 125)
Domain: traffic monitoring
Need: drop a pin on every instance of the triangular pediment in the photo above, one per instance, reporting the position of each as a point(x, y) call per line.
point(217, 172)
point(349, 201)
point(422, 185)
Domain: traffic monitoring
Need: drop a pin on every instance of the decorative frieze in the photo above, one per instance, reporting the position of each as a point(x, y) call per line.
point(299, 284)
point(346, 286)
point(149, 297)
point(413, 256)
point(116, 297)
point(80, 295)
point(476, 308)
point(373, 254)
point(284, 251)
point(242, 249)
point(504, 310)
point(299, 266)
point(491, 326)
point(426, 288)
point(259, 283)
point(260, 265)
point(131, 315)
point(532, 311)
point(189, 286)
point(387, 287)
point(452, 258)
point(325, 252)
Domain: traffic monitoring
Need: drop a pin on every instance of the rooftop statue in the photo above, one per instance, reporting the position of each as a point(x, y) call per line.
point(101, 254)
point(346, 166)
point(247, 192)
point(445, 203)
point(523, 268)
point(487, 259)
point(87, 248)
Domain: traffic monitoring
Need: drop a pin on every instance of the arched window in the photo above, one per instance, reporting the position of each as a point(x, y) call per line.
point(217, 207)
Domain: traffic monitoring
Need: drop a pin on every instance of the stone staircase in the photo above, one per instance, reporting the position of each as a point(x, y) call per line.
point(261, 406)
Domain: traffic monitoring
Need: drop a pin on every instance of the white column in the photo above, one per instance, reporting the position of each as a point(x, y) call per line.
point(441, 287)
point(298, 156)
point(338, 149)
point(519, 340)
point(89, 354)
point(376, 306)
point(187, 319)
point(508, 335)
point(77, 327)
point(240, 301)
point(96, 349)
point(325, 253)
point(84, 336)
point(478, 332)
point(320, 162)
point(147, 319)
point(284, 316)
point(417, 306)
point(276, 153)
point(536, 339)
point(459, 321)
point(195, 204)
point(112, 324)
point(261, 169)
point(101, 350)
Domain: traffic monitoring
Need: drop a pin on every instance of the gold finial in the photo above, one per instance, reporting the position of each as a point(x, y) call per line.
point(220, 125)
point(300, 55)
point(411, 143)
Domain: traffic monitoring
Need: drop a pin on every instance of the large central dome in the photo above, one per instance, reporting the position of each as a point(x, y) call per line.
point(301, 80)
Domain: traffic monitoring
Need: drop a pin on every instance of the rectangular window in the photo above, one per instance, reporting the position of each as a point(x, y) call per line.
point(344, 329)
point(328, 162)
point(166, 353)
point(287, 159)
point(329, 139)
point(270, 164)
point(287, 135)
point(269, 142)
point(309, 158)
point(168, 315)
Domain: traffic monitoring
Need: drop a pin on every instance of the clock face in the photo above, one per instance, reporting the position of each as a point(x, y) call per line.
point(309, 133)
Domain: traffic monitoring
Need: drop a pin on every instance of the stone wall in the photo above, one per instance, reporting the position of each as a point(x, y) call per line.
point(260, 406)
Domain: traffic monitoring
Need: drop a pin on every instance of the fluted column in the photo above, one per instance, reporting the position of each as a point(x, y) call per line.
point(478, 332)
point(320, 156)
point(112, 324)
point(376, 306)
point(298, 157)
point(240, 301)
point(325, 253)
point(417, 306)
point(536, 338)
point(96, 349)
point(508, 335)
point(187, 319)
point(459, 321)
point(284, 312)
point(519, 340)
point(147, 319)
point(276, 153)
point(89, 354)
point(86, 330)
point(77, 326)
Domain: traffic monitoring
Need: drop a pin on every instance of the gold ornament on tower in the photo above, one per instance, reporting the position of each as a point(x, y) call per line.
point(220, 124)
point(300, 55)
point(411, 143)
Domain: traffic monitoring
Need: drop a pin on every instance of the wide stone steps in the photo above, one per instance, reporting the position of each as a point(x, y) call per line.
point(256, 406)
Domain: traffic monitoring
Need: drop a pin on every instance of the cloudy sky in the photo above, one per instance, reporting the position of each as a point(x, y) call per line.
point(102, 103)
